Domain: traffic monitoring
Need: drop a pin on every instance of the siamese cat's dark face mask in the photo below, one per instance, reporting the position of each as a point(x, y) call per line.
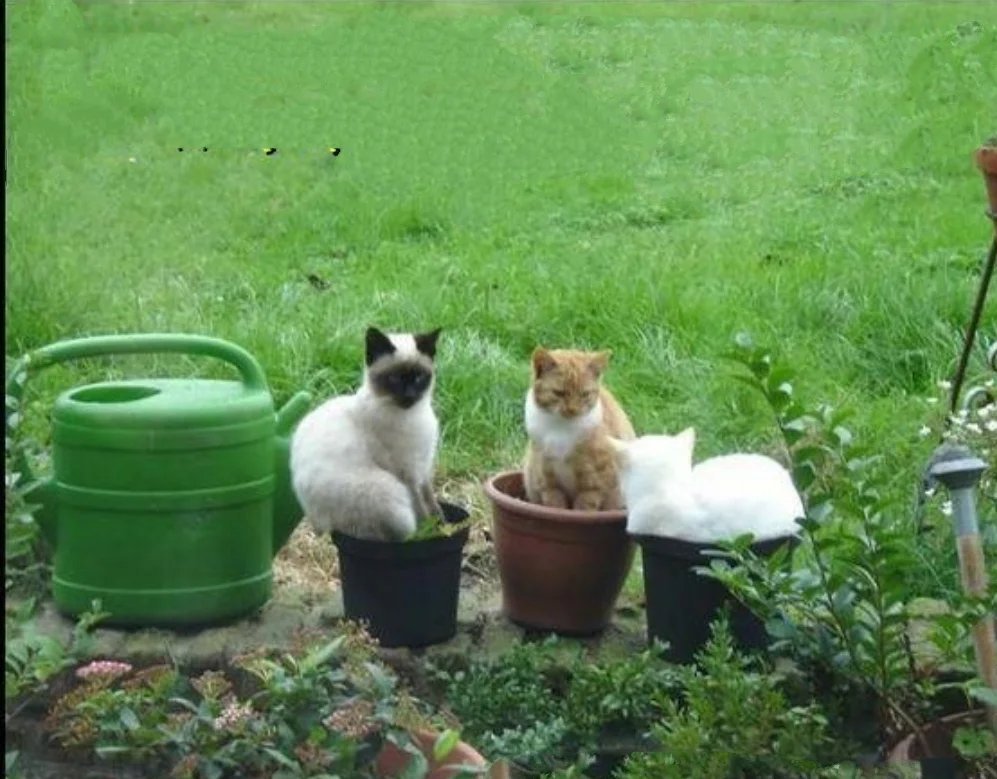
point(404, 375)
point(405, 384)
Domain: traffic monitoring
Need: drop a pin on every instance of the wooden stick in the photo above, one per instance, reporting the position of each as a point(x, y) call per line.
point(973, 571)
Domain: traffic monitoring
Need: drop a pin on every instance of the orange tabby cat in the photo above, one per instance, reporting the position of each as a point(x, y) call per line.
point(570, 416)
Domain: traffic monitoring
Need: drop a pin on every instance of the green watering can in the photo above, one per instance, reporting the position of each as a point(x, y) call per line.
point(169, 497)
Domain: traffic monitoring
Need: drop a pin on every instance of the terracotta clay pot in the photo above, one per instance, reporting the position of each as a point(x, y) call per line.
point(560, 569)
point(944, 761)
point(392, 761)
point(986, 161)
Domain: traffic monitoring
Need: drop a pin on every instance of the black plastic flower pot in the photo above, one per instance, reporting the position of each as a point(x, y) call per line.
point(406, 591)
point(682, 604)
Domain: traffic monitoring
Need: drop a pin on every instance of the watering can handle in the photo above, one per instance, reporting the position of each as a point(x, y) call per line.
point(78, 348)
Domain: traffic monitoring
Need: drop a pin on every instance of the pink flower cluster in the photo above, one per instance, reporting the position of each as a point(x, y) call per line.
point(232, 716)
point(103, 669)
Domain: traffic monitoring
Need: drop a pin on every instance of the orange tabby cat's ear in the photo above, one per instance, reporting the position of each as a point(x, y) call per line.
point(599, 362)
point(543, 361)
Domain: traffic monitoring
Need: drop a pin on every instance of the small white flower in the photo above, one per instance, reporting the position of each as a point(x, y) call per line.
point(947, 508)
point(972, 427)
point(991, 425)
point(945, 384)
point(924, 432)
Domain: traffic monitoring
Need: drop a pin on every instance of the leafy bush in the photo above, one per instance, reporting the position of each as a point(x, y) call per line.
point(320, 712)
point(25, 565)
point(32, 659)
point(547, 715)
point(843, 610)
point(731, 721)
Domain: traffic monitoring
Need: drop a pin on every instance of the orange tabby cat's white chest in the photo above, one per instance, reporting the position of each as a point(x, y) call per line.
point(555, 436)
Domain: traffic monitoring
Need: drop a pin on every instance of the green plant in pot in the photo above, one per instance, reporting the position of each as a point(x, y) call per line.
point(843, 611)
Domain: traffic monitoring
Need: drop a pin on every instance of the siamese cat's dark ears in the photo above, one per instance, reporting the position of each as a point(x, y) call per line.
point(378, 345)
point(426, 342)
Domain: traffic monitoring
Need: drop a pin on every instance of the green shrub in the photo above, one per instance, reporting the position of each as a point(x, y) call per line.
point(730, 721)
point(842, 610)
point(546, 714)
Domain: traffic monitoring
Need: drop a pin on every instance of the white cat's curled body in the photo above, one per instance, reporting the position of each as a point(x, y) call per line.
point(718, 499)
point(363, 464)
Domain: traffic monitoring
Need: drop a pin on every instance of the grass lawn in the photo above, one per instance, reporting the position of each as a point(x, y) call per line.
point(648, 178)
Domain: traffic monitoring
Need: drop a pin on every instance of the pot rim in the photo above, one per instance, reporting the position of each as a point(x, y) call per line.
point(408, 550)
point(425, 738)
point(670, 546)
point(546, 513)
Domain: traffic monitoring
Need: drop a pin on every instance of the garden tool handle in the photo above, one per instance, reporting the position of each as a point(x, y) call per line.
point(140, 343)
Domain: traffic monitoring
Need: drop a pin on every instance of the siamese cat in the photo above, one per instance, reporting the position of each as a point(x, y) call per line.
point(363, 464)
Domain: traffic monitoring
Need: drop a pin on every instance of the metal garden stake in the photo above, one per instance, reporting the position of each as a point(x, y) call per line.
point(960, 471)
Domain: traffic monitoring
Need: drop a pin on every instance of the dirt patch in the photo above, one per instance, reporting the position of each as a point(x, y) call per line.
point(308, 562)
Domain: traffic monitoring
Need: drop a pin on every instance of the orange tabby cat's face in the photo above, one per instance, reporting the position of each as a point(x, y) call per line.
point(566, 381)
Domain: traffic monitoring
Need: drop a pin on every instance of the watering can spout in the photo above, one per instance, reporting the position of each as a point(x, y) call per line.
point(287, 512)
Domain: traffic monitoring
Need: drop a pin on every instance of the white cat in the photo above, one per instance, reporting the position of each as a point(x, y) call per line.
point(363, 464)
point(718, 499)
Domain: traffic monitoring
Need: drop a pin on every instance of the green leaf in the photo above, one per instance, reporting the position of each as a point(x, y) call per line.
point(985, 695)
point(129, 720)
point(445, 743)
point(111, 750)
point(382, 681)
point(321, 656)
point(281, 758)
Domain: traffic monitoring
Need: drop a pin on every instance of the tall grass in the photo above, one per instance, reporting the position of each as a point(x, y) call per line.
point(650, 178)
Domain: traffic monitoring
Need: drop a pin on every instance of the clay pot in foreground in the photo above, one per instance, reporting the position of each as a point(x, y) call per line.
point(986, 161)
point(560, 569)
point(392, 761)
